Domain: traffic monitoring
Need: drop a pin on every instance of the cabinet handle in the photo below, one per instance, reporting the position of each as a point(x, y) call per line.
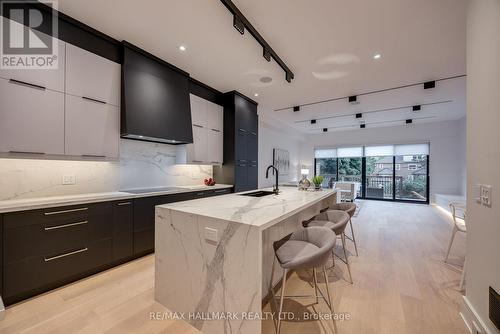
point(198, 126)
point(93, 156)
point(26, 152)
point(242, 160)
point(93, 100)
point(215, 130)
point(220, 191)
point(254, 133)
point(215, 162)
point(27, 84)
point(47, 259)
point(242, 130)
point(196, 160)
point(65, 225)
point(124, 203)
point(64, 211)
point(241, 165)
point(200, 194)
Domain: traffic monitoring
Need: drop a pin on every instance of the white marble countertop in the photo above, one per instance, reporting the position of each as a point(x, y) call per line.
point(52, 201)
point(258, 211)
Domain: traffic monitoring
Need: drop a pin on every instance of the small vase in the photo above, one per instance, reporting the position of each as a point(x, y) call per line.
point(317, 187)
point(304, 184)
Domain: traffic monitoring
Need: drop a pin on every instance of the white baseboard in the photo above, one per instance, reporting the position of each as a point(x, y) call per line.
point(472, 319)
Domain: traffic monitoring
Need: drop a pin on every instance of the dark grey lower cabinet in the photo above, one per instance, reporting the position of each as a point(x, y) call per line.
point(47, 248)
point(123, 230)
point(43, 249)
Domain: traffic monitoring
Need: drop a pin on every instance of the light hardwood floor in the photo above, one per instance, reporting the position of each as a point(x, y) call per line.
point(401, 285)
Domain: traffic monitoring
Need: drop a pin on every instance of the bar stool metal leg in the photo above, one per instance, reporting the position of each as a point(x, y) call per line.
point(283, 282)
point(330, 300)
point(316, 285)
point(353, 237)
point(342, 236)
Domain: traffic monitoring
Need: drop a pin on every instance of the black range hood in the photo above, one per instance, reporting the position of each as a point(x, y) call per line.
point(155, 99)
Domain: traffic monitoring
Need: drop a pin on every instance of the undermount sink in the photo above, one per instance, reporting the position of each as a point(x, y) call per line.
point(259, 193)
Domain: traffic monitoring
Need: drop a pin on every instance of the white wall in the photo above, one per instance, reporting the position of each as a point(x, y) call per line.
point(446, 150)
point(273, 134)
point(462, 142)
point(483, 154)
point(141, 164)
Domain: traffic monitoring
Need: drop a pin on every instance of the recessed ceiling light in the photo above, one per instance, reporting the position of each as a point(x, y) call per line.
point(377, 56)
point(182, 48)
point(256, 94)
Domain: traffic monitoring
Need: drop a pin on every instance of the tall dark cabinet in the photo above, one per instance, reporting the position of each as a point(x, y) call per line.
point(241, 133)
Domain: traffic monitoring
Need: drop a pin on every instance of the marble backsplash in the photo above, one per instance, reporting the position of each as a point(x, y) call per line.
point(141, 165)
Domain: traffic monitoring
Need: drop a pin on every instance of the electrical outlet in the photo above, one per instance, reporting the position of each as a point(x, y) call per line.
point(485, 195)
point(69, 179)
point(211, 234)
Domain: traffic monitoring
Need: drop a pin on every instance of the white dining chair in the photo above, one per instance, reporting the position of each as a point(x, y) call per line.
point(459, 214)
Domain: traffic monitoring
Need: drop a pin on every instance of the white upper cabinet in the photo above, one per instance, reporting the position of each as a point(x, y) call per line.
point(208, 121)
point(198, 110)
point(52, 79)
point(31, 119)
point(91, 76)
point(215, 116)
point(92, 128)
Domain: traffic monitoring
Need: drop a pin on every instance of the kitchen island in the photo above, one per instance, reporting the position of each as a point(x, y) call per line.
point(214, 256)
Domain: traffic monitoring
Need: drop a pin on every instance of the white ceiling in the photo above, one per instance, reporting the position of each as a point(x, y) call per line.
point(328, 44)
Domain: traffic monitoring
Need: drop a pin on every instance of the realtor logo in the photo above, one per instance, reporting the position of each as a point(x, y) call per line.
point(23, 46)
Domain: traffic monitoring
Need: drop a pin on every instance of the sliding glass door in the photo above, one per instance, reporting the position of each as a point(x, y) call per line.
point(379, 177)
point(389, 172)
point(412, 177)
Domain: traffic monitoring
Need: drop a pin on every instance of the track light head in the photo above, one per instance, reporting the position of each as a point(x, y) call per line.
point(296, 108)
point(417, 108)
point(238, 25)
point(429, 84)
point(289, 76)
point(353, 99)
point(362, 126)
point(325, 129)
point(409, 121)
point(266, 54)
point(313, 121)
point(359, 115)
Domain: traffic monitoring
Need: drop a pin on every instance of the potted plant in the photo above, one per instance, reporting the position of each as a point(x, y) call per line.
point(317, 180)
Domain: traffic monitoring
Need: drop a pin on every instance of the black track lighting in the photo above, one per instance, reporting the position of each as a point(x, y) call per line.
point(359, 115)
point(409, 121)
point(289, 76)
point(362, 126)
point(296, 108)
point(417, 108)
point(353, 99)
point(325, 129)
point(313, 121)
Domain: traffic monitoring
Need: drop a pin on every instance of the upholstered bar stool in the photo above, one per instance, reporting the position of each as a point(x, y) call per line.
point(335, 220)
point(350, 208)
point(304, 249)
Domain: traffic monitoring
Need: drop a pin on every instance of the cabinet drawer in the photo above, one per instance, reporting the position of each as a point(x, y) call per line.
point(50, 269)
point(31, 119)
point(217, 192)
point(32, 233)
